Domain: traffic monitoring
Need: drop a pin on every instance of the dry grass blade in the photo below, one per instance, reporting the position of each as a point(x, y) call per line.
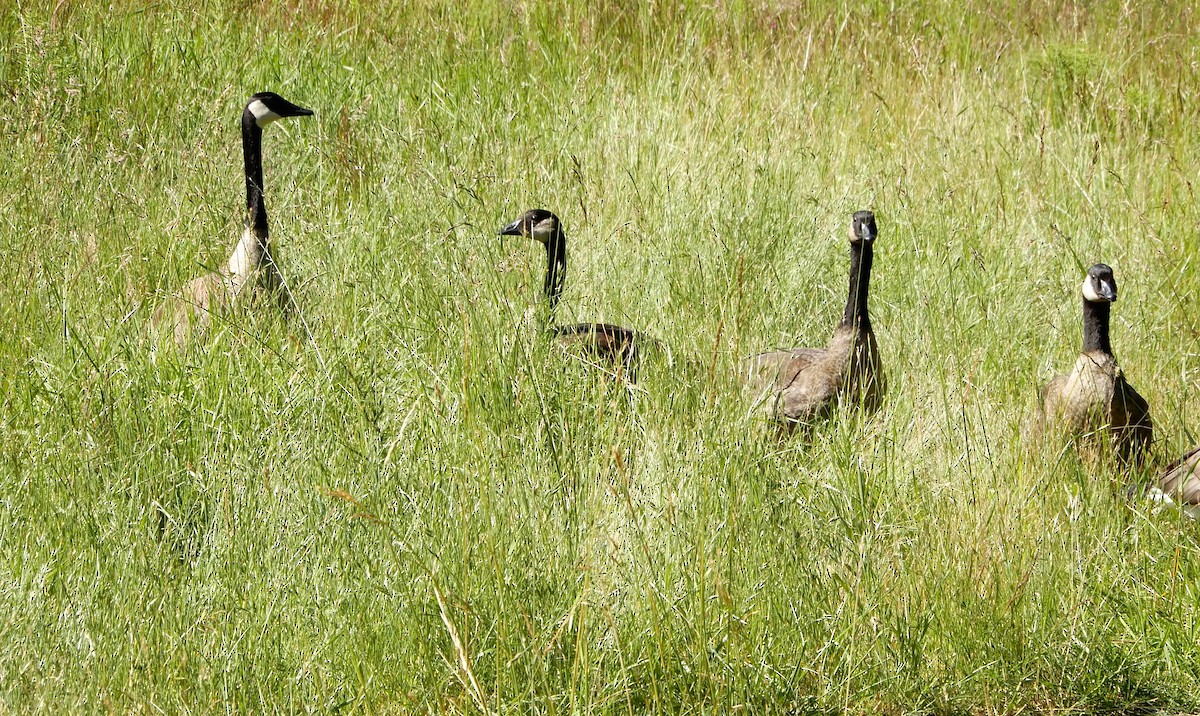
point(466, 674)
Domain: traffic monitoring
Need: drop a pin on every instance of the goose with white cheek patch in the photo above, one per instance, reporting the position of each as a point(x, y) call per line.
point(610, 343)
point(250, 268)
point(800, 385)
point(1094, 399)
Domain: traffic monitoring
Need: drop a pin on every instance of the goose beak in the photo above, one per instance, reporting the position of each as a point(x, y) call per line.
point(513, 229)
point(1107, 291)
point(293, 110)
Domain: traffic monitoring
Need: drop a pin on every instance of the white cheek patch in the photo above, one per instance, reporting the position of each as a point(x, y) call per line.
point(1089, 291)
point(542, 231)
point(262, 113)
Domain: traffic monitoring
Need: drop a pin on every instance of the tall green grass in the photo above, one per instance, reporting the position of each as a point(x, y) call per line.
point(408, 501)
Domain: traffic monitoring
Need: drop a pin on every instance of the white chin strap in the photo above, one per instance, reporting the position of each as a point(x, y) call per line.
point(543, 231)
point(262, 113)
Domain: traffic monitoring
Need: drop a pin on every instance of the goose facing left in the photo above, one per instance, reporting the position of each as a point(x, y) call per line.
point(250, 267)
point(602, 340)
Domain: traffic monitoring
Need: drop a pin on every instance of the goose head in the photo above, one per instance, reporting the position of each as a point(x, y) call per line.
point(538, 224)
point(266, 107)
point(1100, 286)
point(862, 228)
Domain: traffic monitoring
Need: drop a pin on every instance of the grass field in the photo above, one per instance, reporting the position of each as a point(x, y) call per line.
point(406, 501)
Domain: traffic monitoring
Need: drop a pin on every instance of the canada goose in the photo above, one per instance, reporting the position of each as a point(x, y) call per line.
point(801, 384)
point(250, 265)
point(1179, 484)
point(1095, 397)
point(603, 340)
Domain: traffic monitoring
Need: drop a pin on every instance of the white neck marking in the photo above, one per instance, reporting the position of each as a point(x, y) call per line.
point(245, 260)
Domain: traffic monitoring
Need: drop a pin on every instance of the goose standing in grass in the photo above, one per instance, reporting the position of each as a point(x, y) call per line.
point(250, 267)
point(802, 384)
point(603, 340)
point(1095, 399)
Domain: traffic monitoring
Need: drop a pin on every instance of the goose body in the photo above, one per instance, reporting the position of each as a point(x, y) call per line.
point(604, 341)
point(250, 268)
point(1179, 484)
point(799, 385)
point(1095, 399)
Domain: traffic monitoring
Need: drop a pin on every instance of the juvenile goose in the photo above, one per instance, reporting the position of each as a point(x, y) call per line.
point(1095, 397)
point(801, 384)
point(250, 267)
point(603, 340)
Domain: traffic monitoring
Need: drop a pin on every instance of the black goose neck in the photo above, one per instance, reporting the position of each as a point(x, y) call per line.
point(860, 280)
point(1095, 326)
point(556, 266)
point(256, 209)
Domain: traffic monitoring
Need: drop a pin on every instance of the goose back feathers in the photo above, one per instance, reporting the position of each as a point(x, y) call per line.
point(1179, 484)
